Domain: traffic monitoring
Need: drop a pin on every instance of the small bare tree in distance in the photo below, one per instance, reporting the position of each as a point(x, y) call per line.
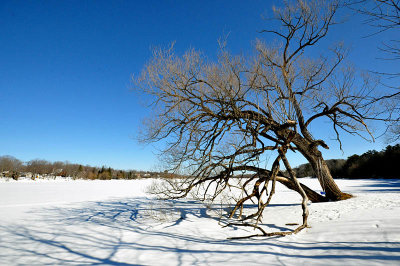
point(219, 119)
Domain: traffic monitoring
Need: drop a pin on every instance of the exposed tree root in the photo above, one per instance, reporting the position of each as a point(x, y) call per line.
point(345, 196)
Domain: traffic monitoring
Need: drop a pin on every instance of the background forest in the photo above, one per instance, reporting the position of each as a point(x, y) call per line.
point(371, 164)
point(15, 168)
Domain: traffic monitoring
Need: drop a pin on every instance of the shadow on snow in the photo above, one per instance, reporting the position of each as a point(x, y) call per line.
point(381, 185)
point(74, 235)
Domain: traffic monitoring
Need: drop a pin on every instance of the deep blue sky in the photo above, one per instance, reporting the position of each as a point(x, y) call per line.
point(65, 70)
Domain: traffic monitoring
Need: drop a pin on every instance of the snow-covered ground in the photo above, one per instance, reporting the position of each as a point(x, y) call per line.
point(59, 222)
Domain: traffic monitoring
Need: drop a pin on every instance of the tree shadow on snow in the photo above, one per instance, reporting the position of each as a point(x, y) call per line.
point(122, 232)
point(381, 185)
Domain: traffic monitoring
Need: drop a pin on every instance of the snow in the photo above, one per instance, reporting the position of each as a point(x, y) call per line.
point(115, 222)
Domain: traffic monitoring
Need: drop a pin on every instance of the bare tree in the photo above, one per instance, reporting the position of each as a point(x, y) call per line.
point(220, 119)
point(38, 167)
point(9, 163)
point(384, 15)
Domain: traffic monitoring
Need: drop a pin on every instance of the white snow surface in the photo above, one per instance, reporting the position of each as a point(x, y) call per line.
point(66, 222)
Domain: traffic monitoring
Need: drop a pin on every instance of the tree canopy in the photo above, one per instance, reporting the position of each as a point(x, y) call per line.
point(220, 118)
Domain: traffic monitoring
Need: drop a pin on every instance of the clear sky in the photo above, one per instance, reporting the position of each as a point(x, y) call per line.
point(65, 70)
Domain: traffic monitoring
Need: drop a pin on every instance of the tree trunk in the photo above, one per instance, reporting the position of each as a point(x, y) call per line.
point(314, 157)
point(325, 178)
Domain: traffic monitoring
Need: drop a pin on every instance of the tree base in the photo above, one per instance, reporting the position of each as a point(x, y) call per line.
point(345, 196)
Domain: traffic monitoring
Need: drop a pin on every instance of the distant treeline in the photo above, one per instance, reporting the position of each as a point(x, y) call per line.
point(372, 164)
point(14, 168)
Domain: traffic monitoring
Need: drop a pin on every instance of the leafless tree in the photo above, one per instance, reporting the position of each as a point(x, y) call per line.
point(38, 167)
point(384, 15)
point(220, 119)
point(9, 163)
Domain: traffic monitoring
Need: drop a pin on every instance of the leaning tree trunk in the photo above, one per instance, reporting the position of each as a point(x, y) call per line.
point(314, 156)
point(324, 176)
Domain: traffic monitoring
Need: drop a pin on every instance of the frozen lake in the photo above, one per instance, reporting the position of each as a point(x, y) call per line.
point(115, 222)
